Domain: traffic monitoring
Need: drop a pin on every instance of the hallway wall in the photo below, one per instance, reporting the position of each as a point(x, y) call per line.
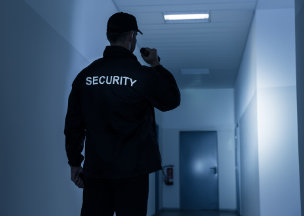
point(276, 170)
point(45, 45)
point(201, 109)
point(36, 61)
point(246, 118)
point(277, 113)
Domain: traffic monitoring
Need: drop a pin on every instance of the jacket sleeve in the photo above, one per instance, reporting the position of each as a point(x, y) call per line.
point(74, 127)
point(160, 88)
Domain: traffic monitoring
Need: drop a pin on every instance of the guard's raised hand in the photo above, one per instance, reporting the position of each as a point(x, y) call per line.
point(151, 57)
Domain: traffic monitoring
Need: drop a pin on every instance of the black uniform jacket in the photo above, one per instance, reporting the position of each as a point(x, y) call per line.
point(111, 109)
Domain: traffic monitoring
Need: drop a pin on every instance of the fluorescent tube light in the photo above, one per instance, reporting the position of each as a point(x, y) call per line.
point(197, 16)
point(187, 17)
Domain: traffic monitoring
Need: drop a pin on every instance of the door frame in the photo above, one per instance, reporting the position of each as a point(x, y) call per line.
point(238, 168)
point(217, 159)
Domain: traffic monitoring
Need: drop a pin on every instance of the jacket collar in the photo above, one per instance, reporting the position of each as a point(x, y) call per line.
point(118, 52)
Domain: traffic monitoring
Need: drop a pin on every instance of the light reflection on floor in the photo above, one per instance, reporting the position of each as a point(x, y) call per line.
point(194, 213)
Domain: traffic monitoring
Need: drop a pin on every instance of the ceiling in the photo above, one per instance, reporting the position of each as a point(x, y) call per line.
point(217, 46)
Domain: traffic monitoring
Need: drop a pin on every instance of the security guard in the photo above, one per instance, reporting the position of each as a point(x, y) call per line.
point(111, 109)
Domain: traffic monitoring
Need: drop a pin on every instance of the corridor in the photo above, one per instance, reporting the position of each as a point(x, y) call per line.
point(234, 145)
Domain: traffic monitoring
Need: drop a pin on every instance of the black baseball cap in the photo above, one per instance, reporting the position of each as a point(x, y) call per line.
point(122, 22)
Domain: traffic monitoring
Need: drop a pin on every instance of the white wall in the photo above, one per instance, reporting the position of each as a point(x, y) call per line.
point(246, 116)
point(35, 178)
point(87, 26)
point(44, 45)
point(201, 110)
point(277, 113)
point(267, 79)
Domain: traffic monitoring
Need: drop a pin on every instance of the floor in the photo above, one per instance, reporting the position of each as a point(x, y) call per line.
point(194, 213)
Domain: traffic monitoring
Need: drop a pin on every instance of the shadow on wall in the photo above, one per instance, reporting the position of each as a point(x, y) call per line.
point(35, 174)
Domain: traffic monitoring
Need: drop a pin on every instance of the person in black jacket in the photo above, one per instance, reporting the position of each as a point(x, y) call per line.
point(111, 110)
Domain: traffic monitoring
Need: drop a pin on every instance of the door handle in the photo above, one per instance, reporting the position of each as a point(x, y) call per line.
point(214, 170)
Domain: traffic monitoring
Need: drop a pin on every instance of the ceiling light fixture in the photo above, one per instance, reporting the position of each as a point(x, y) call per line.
point(187, 17)
point(195, 71)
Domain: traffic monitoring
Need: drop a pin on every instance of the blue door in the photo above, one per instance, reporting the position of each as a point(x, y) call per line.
point(198, 170)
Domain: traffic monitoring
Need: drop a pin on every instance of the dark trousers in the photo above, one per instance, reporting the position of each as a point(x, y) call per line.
point(126, 197)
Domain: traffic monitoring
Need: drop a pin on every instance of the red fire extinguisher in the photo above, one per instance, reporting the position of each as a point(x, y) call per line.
point(168, 174)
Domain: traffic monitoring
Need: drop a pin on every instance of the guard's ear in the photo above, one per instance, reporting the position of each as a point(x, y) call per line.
point(130, 36)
